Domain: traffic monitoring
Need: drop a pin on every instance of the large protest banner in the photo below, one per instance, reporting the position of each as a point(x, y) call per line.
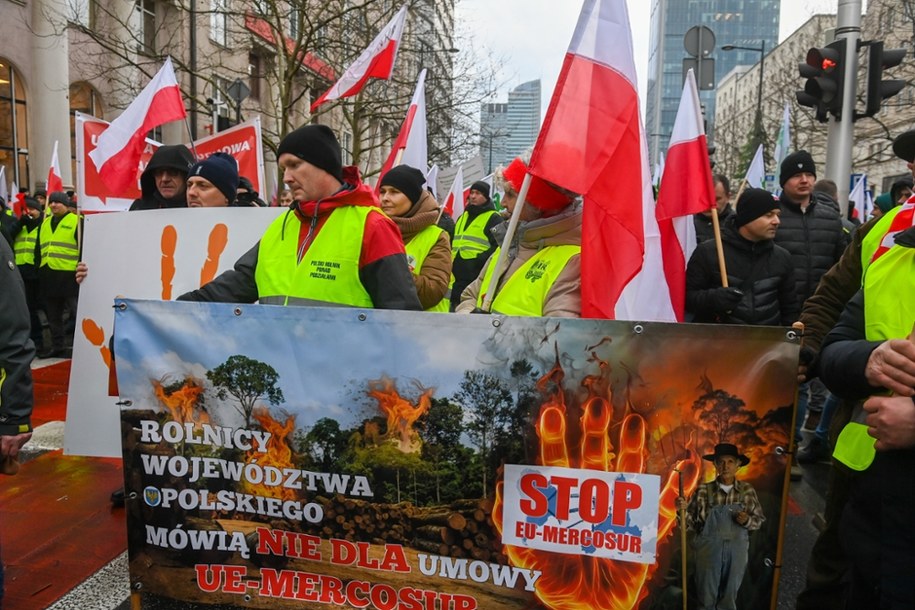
point(154, 254)
point(325, 457)
point(242, 141)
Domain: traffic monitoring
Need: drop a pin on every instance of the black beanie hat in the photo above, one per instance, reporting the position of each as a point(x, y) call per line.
point(316, 144)
point(221, 169)
point(408, 180)
point(59, 197)
point(481, 186)
point(752, 204)
point(32, 203)
point(794, 164)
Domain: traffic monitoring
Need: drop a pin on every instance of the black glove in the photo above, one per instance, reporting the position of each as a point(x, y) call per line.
point(724, 300)
point(479, 310)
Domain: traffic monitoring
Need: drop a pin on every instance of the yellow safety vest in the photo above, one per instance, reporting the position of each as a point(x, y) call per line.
point(59, 250)
point(327, 275)
point(470, 239)
point(889, 310)
point(875, 236)
point(417, 250)
point(524, 293)
point(24, 246)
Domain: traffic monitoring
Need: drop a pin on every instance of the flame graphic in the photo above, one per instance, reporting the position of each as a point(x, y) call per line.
point(279, 454)
point(582, 582)
point(400, 412)
point(182, 401)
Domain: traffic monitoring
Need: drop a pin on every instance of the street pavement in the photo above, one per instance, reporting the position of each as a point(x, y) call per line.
point(83, 565)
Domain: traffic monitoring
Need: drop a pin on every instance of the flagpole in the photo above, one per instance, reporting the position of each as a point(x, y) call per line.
point(191, 137)
point(502, 261)
point(716, 226)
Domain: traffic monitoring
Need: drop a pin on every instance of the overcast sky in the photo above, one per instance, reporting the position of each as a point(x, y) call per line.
point(533, 35)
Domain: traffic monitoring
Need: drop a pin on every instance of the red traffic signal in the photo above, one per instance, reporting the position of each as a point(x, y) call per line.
point(824, 70)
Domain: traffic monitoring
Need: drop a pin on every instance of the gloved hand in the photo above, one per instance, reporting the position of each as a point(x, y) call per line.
point(479, 310)
point(724, 300)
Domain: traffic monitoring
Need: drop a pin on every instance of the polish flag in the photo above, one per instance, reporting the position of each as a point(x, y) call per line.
point(454, 203)
point(592, 143)
point(17, 199)
point(55, 182)
point(410, 147)
point(117, 155)
point(858, 198)
point(686, 189)
point(377, 61)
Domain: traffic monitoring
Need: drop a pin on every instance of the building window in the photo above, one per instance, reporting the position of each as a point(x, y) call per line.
point(218, 18)
point(83, 98)
point(79, 12)
point(14, 135)
point(221, 105)
point(347, 146)
point(144, 26)
point(294, 18)
point(255, 74)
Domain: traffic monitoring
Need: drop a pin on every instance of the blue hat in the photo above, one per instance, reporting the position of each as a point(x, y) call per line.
point(221, 170)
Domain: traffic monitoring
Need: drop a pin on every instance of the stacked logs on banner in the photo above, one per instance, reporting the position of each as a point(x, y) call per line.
point(461, 529)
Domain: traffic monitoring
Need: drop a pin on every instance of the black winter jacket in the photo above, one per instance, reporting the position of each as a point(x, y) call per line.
point(16, 349)
point(705, 230)
point(815, 238)
point(761, 270)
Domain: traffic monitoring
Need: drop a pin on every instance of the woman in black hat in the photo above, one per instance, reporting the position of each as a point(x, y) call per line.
point(722, 512)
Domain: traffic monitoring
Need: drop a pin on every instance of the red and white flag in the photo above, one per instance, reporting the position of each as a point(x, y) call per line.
point(377, 61)
point(55, 181)
point(686, 189)
point(454, 203)
point(592, 143)
point(119, 147)
point(411, 147)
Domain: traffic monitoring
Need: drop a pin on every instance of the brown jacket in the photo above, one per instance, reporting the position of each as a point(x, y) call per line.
point(434, 276)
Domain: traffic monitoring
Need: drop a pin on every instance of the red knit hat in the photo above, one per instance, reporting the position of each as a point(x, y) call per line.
point(540, 193)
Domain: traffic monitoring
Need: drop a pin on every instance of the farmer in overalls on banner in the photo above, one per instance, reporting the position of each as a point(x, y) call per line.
point(722, 513)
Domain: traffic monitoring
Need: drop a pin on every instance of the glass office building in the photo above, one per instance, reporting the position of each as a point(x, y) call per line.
point(746, 23)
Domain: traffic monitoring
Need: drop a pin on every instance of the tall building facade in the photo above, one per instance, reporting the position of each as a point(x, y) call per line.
point(509, 129)
point(746, 23)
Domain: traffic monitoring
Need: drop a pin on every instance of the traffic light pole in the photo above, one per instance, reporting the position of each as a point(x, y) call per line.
point(841, 132)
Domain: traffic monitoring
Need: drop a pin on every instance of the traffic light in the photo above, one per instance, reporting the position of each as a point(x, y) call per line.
point(824, 70)
point(878, 60)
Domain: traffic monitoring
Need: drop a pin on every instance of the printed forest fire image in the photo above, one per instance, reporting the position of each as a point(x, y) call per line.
point(543, 473)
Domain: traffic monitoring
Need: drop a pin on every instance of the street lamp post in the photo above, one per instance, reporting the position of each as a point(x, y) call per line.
point(759, 93)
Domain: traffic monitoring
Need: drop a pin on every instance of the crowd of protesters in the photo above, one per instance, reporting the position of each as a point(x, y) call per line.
point(762, 260)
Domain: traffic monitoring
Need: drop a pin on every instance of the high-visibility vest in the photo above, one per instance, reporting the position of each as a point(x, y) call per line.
point(24, 246)
point(878, 234)
point(327, 275)
point(418, 249)
point(470, 239)
point(889, 311)
point(524, 293)
point(59, 250)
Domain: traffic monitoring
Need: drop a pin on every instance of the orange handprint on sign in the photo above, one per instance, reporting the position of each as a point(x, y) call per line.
point(586, 582)
point(216, 245)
